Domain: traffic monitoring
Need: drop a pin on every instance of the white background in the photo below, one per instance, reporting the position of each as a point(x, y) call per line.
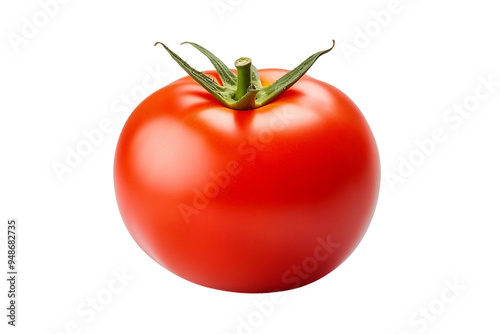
point(438, 228)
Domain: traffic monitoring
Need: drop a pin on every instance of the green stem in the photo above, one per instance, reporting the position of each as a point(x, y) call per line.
point(244, 70)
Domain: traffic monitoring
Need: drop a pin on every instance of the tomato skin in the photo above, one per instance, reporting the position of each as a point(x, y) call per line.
point(247, 201)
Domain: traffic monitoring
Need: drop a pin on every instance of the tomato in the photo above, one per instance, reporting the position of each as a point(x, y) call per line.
point(259, 200)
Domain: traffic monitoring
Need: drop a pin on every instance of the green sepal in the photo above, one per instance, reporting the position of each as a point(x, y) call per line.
point(227, 76)
point(256, 83)
point(269, 93)
point(256, 95)
point(246, 102)
point(223, 94)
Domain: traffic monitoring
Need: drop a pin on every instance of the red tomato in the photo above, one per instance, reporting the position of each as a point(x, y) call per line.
point(258, 200)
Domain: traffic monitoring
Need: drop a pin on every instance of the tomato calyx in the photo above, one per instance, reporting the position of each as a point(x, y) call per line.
point(244, 90)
